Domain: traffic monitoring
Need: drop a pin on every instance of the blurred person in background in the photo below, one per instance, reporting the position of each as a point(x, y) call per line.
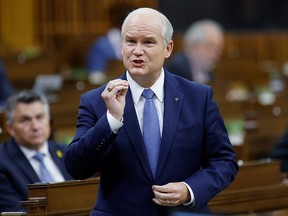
point(280, 151)
point(203, 45)
point(107, 47)
point(28, 123)
point(6, 89)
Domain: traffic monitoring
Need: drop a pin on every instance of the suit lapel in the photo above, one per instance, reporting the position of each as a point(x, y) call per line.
point(22, 162)
point(173, 99)
point(132, 128)
point(57, 155)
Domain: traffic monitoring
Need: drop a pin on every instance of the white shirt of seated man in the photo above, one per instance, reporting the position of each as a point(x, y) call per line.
point(48, 162)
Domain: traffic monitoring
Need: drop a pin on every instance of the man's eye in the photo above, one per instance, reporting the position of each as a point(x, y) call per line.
point(148, 42)
point(40, 117)
point(24, 120)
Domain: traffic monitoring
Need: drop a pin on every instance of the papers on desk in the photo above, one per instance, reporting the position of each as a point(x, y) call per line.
point(49, 85)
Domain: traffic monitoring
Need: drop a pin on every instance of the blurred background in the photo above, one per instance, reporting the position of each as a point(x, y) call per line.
point(45, 43)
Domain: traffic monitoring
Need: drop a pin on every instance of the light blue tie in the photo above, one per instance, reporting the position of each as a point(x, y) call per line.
point(45, 176)
point(151, 130)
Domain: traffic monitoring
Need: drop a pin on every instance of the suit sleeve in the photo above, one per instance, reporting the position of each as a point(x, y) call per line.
point(9, 198)
point(219, 167)
point(91, 143)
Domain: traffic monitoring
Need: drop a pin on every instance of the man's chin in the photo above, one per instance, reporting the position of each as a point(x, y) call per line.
point(37, 143)
point(137, 71)
point(33, 146)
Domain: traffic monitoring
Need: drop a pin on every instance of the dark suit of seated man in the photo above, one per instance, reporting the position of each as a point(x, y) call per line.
point(28, 123)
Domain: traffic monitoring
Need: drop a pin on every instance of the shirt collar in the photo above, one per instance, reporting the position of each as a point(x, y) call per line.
point(30, 153)
point(136, 89)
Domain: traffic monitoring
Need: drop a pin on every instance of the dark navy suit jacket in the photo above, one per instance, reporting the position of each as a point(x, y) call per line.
point(16, 172)
point(195, 148)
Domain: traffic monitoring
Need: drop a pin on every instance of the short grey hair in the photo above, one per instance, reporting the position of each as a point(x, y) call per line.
point(27, 97)
point(196, 32)
point(167, 30)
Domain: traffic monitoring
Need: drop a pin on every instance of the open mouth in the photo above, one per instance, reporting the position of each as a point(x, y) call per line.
point(138, 61)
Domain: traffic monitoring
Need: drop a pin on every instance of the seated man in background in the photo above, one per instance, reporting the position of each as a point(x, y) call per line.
point(28, 123)
point(5, 87)
point(203, 44)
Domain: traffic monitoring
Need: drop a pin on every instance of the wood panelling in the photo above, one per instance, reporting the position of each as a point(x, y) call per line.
point(49, 23)
point(247, 54)
point(17, 24)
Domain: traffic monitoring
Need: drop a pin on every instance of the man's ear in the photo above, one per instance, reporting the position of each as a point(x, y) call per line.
point(9, 129)
point(169, 49)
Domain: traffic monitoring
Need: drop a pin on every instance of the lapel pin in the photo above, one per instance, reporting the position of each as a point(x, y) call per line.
point(176, 99)
point(59, 154)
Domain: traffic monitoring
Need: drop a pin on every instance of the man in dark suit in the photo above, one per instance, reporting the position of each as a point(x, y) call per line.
point(203, 45)
point(192, 156)
point(28, 123)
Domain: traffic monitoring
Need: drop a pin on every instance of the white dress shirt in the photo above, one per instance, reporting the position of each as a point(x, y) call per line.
point(139, 101)
point(48, 161)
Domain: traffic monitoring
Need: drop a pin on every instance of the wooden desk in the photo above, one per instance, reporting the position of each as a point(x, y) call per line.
point(75, 198)
point(257, 188)
point(251, 200)
point(22, 72)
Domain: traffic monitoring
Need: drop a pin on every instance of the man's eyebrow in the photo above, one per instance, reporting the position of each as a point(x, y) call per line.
point(24, 117)
point(150, 37)
point(129, 35)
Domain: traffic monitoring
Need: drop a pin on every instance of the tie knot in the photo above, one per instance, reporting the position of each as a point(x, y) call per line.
point(148, 93)
point(39, 156)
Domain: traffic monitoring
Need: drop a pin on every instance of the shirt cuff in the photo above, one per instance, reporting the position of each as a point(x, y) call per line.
point(115, 125)
point(191, 201)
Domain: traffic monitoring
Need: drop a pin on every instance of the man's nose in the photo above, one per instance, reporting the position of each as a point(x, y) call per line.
point(138, 49)
point(35, 123)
